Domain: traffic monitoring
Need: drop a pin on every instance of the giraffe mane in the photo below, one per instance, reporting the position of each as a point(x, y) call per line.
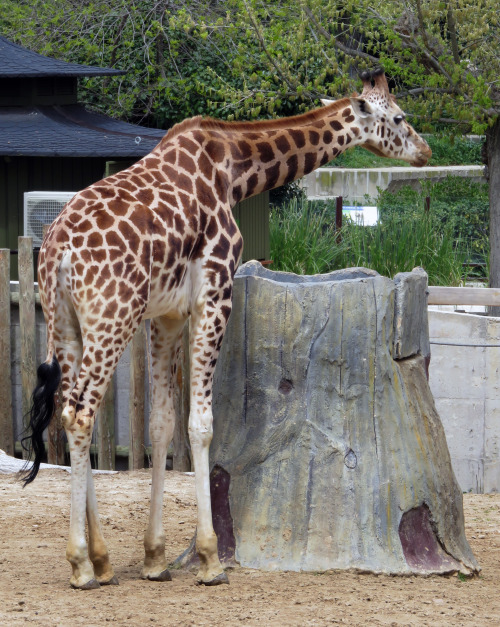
point(201, 123)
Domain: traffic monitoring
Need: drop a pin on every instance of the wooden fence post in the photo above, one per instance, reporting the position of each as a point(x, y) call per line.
point(137, 399)
point(55, 432)
point(339, 204)
point(55, 435)
point(27, 324)
point(181, 460)
point(6, 418)
point(106, 430)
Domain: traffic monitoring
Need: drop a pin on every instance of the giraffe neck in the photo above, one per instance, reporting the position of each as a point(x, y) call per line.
point(238, 160)
point(270, 157)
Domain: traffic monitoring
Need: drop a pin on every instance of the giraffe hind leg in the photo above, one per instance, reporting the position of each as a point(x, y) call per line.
point(98, 552)
point(165, 345)
point(90, 563)
point(69, 349)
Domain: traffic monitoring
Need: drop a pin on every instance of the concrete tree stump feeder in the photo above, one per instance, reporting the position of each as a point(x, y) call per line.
point(328, 452)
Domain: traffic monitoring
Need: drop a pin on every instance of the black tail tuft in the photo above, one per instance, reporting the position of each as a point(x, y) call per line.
point(41, 412)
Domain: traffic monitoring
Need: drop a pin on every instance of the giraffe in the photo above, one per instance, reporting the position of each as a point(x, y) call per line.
point(158, 241)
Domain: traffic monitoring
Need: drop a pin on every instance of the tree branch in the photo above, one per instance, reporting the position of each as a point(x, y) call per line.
point(338, 44)
point(270, 58)
point(424, 90)
point(410, 42)
point(421, 26)
point(452, 29)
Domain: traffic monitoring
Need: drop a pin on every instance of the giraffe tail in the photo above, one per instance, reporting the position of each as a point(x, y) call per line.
point(43, 399)
point(42, 409)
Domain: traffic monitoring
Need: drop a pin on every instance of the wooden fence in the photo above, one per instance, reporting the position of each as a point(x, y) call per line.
point(487, 296)
point(105, 448)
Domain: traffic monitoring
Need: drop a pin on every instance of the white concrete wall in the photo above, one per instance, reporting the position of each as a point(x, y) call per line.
point(464, 377)
point(354, 184)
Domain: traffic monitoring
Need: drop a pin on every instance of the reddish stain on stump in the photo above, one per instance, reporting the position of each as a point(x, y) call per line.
point(422, 550)
point(221, 514)
point(222, 521)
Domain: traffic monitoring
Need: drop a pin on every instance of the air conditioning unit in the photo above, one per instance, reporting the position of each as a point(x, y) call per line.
point(42, 208)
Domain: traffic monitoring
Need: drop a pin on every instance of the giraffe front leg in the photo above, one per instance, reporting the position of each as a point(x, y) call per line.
point(78, 427)
point(209, 322)
point(200, 434)
point(155, 562)
point(98, 552)
point(165, 344)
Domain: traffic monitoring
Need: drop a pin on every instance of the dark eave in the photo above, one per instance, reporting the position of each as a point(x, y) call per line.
point(71, 131)
point(16, 62)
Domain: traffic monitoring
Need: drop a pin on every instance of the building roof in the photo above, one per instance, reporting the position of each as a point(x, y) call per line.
point(16, 61)
point(71, 131)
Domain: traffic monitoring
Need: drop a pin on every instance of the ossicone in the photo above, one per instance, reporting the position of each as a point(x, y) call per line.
point(370, 75)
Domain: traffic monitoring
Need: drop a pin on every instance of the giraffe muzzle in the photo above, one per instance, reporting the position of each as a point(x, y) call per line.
point(422, 158)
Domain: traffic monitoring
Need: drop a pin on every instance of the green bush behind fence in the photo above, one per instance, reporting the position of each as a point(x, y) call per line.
point(453, 234)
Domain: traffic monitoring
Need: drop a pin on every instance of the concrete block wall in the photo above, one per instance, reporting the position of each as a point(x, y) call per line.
point(464, 377)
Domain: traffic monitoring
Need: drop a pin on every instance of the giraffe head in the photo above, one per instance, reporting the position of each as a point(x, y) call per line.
point(382, 124)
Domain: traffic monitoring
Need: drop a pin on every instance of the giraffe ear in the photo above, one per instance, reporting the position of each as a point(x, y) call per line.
point(326, 102)
point(361, 107)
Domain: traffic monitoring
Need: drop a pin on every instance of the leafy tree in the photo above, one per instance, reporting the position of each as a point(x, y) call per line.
point(442, 58)
point(253, 58)
point(169, 59)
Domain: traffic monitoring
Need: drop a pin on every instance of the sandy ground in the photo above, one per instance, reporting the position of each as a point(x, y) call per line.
point(34, 573)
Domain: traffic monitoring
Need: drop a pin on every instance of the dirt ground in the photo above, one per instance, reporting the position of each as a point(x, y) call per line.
point(34, 573)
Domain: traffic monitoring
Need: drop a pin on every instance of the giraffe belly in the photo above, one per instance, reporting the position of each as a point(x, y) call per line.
point(175, 303)
point(172, 304)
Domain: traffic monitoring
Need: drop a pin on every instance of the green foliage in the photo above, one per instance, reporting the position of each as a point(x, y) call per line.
point(457, 204)
point(446, 150)
point(399, 244)
point(252, 58)
point(359, 157)
point(304, 241)
point(285, 194)
point(451, 150)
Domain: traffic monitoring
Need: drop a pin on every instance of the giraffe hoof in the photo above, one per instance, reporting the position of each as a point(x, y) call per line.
point(93, 584)
point(163, 576)
point(111, 582)
point(216, 581)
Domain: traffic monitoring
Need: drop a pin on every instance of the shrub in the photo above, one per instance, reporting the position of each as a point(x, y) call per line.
point(400, 243)
point(284, 194)
point(457, 204)
point(445, 151)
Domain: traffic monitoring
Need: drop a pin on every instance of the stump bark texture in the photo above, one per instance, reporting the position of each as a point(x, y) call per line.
point(328, 452)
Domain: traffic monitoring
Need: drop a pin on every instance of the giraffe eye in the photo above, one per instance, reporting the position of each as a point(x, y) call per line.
point(398, 119)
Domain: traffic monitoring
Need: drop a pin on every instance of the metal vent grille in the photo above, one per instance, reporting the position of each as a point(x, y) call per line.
point(42, 208)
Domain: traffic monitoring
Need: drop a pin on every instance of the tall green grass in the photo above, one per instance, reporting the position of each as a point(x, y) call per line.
point(304, 241)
